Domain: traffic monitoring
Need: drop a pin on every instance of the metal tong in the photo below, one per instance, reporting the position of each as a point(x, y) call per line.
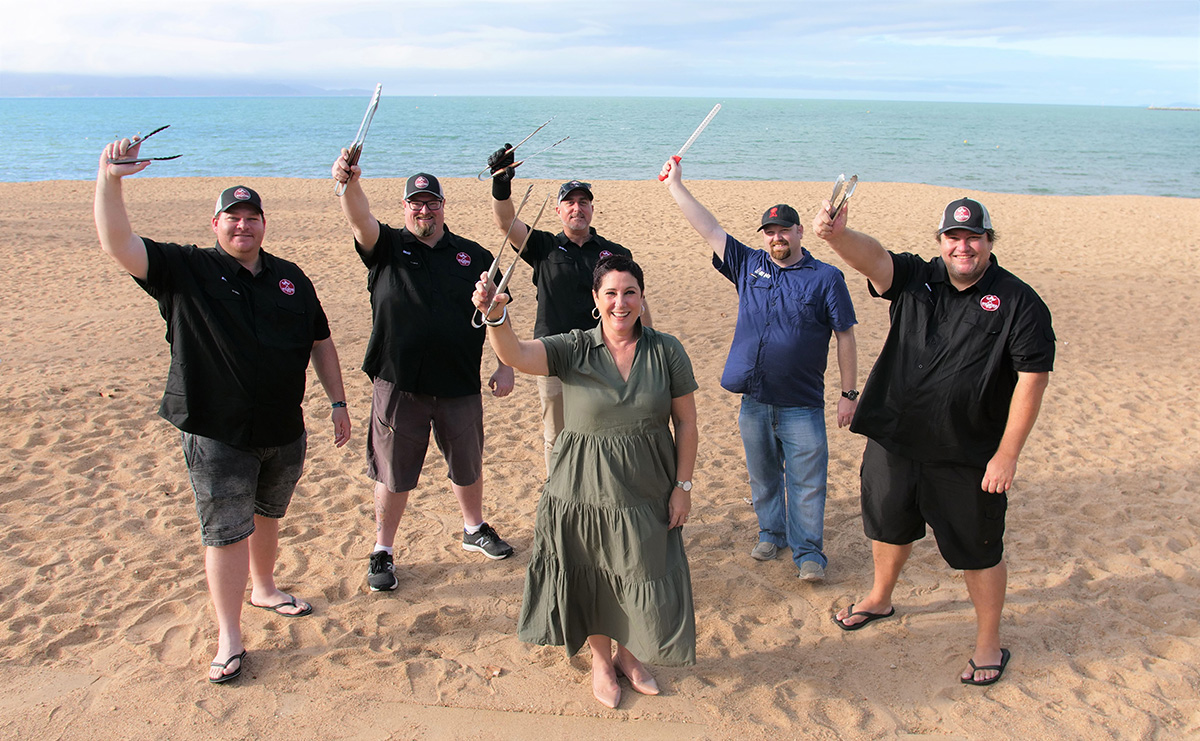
point(356, 146)
point(695, 134)
point(478, 318)
point(487, 174)
point(835, 205)
point(138, 139)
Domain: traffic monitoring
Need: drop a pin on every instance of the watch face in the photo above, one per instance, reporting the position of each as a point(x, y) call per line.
point(685, 485)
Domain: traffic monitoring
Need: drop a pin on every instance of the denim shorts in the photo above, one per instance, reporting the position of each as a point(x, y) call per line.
point(232, 485)
point(399, 436)
point(899, 496)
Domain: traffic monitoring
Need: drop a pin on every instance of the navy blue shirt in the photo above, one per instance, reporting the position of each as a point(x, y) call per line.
point(785, 317)
point(942, 386)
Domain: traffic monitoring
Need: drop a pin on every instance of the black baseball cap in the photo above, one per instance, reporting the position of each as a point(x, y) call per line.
point(781, 214)
point(236, 195)
point(423, 182)
point(565, 189)
point(966, 213)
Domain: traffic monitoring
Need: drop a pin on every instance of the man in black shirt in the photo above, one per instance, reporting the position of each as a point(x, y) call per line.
point(242, 325)
point(946, 410)
point(562, 271)
point(423, 359)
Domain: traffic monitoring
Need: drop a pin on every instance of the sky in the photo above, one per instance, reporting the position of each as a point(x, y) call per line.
point(1089, 52)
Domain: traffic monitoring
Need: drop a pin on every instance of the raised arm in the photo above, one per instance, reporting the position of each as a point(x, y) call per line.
point(527, 356)
point(862, 252)
point(502, 206)
point(1022, 413)
point(696, 214)
point(329, 373)
point(112, 220)
point(354, 202)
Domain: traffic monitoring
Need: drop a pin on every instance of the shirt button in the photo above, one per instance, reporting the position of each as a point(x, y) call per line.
point(920, 365)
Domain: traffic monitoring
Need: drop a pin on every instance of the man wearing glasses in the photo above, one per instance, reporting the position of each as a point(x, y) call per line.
point(562, 271)
point(423, 360)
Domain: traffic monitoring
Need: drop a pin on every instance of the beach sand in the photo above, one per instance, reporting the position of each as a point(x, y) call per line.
point(106, 625)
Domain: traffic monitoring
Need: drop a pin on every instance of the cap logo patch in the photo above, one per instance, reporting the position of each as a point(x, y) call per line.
point(774, 212)
point(241, 194)
point(604, 254)
point(961, 214)
point(421, 182)
point(287, 286)
point(463, 259)
point(990, 302)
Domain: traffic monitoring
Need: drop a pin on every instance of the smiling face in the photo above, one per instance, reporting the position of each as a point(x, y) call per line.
point(422, 221)
point(575, 211)
point(240, 232)
point(619, 300)
point(966, 254)
point(783, 242)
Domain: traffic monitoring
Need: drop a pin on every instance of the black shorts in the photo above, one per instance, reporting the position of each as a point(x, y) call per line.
point(900, 496)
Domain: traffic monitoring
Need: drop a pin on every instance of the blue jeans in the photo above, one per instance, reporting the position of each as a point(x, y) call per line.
point(788, 459)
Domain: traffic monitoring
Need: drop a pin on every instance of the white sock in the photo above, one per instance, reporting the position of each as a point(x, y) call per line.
point(383, 548)
point(472, 529)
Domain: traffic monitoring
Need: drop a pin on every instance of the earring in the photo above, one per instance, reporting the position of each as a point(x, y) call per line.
point(596, 313)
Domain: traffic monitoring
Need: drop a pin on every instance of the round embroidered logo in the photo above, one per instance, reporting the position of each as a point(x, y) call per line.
point(287, 286)
point(421, 182)
point(241, 194)
point(604, 254)
point(463, 259)
point(961, 214)
point(990, 302)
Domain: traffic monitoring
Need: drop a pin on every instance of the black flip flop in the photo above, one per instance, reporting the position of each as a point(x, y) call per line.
point(998, 668)
point(223, 678)
point(870, 617)
point(290, 603)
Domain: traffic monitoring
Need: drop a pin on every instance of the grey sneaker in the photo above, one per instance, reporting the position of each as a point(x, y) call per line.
point(811, 571)
point(381, 574)
point(764, 551)
point(488, 542)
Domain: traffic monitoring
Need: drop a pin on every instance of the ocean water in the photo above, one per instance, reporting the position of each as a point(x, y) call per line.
point(1035, 149)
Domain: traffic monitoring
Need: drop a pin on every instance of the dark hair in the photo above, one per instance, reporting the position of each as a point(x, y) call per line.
point(991, 235)
point(617, 264)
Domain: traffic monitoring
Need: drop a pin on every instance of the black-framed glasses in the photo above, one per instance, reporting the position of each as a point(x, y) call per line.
point(431, 205)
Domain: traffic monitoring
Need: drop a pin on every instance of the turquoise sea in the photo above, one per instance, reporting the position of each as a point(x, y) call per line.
point(1036, 149)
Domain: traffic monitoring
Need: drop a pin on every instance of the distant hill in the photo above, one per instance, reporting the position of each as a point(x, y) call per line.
point(32, 85)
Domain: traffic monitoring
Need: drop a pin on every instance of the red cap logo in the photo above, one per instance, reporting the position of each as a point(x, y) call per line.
point(287, 286)
point(241, 194)
point(421, 181)
point(463, 259)
point(990, 302)
point(774, 211)
point(961, 214)
point(604, 254)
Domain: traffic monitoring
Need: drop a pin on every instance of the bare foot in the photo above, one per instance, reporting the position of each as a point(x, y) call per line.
point(861, 613)
point(227, 670)
point(985, 667)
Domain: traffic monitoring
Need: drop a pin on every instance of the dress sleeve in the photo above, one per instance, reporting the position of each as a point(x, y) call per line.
point(563, 351)
point(683, 380)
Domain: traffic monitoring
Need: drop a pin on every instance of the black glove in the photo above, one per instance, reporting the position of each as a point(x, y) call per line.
point(501, 165)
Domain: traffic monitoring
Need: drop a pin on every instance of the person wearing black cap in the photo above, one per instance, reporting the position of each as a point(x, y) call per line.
point(789, 303)
point(423, 360)
point(562, 272)
point(242, 325)
point(946, 411)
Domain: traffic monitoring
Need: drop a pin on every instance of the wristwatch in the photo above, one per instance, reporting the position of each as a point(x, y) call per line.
point(685, 485)
point(852, 394)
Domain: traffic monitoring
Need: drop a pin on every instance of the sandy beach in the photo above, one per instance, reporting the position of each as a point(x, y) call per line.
point(105, 623)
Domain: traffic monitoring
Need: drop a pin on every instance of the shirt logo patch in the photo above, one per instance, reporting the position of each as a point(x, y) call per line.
point(241, 194)
point(421, 182)
point(604, 254)
point(287, 286)
point(990, 302)
point(961, 214)
point(463, 259)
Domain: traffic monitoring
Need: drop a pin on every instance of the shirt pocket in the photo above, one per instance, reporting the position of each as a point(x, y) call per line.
point(288, 325)
point(986, 322)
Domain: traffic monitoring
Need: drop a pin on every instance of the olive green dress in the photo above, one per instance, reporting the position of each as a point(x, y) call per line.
point(603, 560)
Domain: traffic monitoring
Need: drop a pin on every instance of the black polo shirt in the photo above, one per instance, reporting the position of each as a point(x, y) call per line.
point(941, 388)
point(421, 335)
point(240, 343)
point(562, 272)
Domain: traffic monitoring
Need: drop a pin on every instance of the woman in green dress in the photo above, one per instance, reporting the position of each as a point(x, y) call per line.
point(608, 564)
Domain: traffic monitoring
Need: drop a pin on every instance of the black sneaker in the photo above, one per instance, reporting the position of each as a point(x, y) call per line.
point(381, 574)
point(488, 542)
